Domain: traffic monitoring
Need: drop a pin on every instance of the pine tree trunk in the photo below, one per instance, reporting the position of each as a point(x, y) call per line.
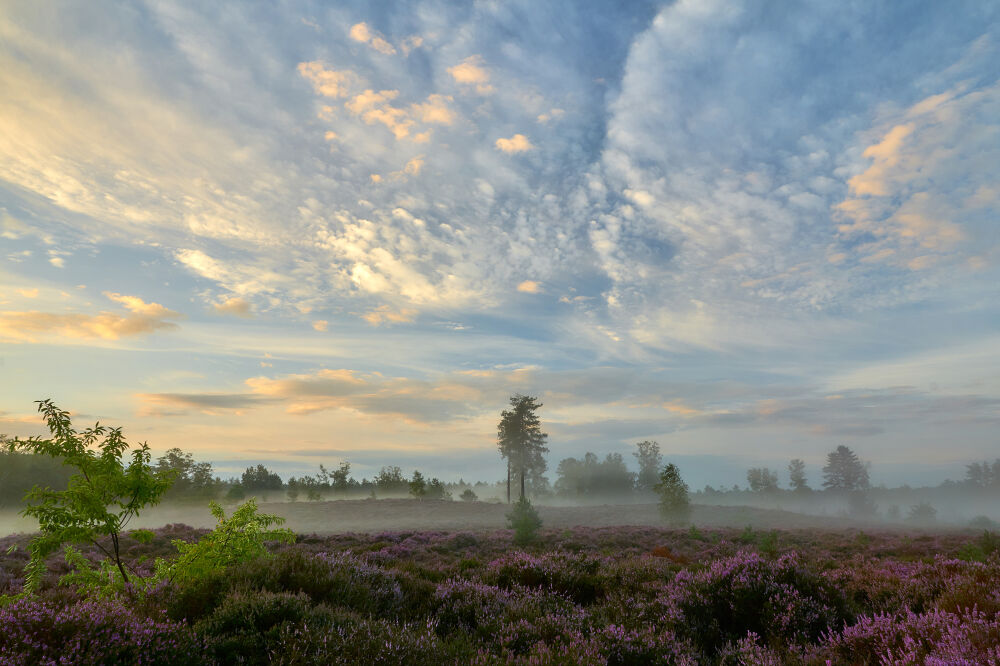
point(522, 482)
point(508, 480)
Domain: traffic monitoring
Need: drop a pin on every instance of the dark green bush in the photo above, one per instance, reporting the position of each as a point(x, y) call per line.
point(248, 622)
point(525, 521)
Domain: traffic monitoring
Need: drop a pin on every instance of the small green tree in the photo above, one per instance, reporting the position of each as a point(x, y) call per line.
point(418, 486)
point(107, 491)
point(674, 503)
point(524, 520)
point(469, 495)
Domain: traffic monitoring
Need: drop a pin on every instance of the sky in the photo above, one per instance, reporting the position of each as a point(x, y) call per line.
point(305, 232)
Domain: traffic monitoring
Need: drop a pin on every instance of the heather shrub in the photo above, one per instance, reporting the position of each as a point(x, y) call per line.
point(646, 645)
point(247, 622)
point(483, 610)
point(578, 576)
point(470, 606)
point(337, 579)
point(92, 632)
point(935, 638)
point(519, 637)
point(778, 600)
point(192, 600)
point(351, 639)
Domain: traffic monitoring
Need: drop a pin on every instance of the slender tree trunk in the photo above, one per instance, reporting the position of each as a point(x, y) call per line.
point(522, 481)
point(118, 559)
point(508, 480)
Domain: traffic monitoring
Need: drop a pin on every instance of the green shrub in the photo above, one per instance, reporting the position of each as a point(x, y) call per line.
point(524, 520)
point(247, 623)
point(239, 538)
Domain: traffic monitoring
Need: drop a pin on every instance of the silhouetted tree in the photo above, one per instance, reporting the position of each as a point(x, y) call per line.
point(436, 490)
point(797, 475)
point(20, 472)
point(521, 441)
point(844, 471)
point(192, 480)
point(339, 479)
point(418, 487)
point(390, 481)
point(762, 479)
point(983, 475)
point(469, 495)
point(590, 477)
point(648, 455)
point(260, 479)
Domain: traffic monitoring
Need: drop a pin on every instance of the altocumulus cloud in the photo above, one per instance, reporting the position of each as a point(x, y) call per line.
point(142, 318)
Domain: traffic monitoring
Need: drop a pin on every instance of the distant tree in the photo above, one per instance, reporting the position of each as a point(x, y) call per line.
point(983, 475)
point(675, 505)
point(521, 441)
point(844, 471)
point(292, 489)
point(418, 487)
point(591, 478)
point(648, 455)
point(762, 479)
point(192, 480)
point(468, 495)
point(390, 481)
point(922, 513)
point(21, 471)
point(339, 479)
point(436, 490)
point(261, 480)
point(797, 475)
point(103, 495)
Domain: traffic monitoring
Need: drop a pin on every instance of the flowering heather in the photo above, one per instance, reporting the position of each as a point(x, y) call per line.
point(90, 632)
point(579, 596)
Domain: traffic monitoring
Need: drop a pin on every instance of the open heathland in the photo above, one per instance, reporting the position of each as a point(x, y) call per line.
point(576, 595)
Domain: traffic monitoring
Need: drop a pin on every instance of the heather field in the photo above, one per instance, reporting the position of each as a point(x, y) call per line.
point(576, 595)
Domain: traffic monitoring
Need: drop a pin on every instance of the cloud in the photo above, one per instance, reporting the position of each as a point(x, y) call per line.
point(320, 324)
point(176, 404)
point(530, 287)
point(435, 110)
point(326, 82)
point(360, 32)
point(145, 318)
point(471, 72)
point(386, 315)
point(235, 306)
point(913, 199)
point(515, 144)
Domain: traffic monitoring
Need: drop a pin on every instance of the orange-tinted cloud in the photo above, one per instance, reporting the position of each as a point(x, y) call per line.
point(144, 318)
point(515, 144)
point(326, 82)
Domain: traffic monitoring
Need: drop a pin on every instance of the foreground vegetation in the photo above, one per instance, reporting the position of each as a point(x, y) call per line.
point(582, 596)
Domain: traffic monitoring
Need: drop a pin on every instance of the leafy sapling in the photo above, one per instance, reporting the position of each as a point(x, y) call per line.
point(107, 490)
point(239, 538)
